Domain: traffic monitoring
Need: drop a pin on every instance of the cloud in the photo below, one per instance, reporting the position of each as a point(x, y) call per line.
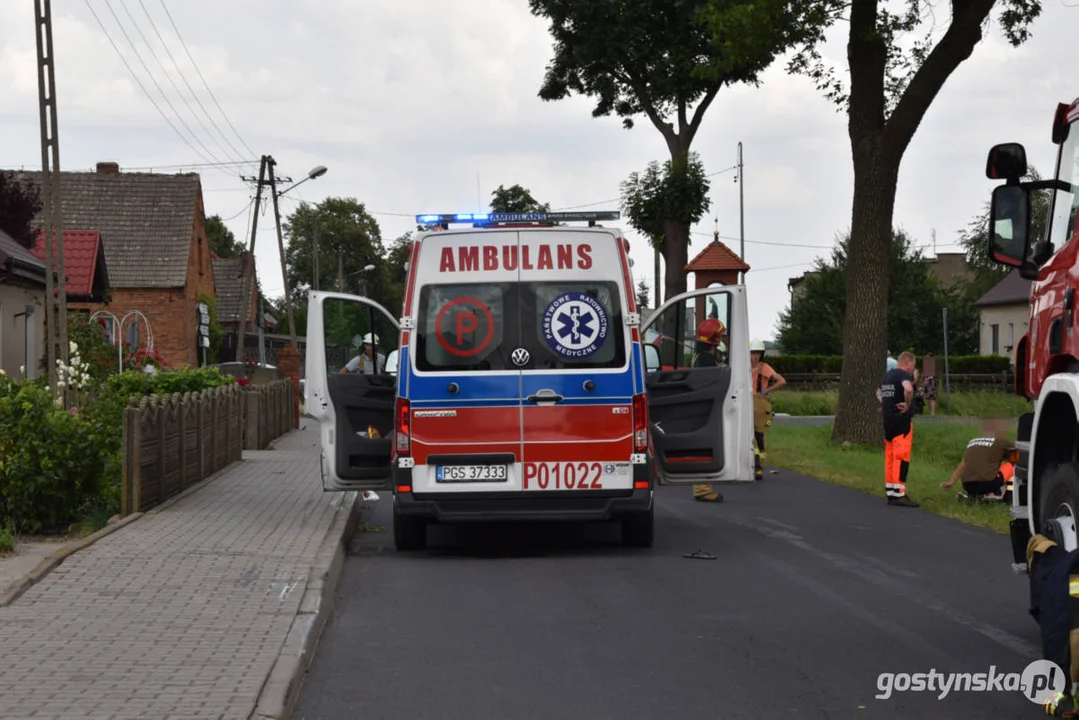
point(407, 102)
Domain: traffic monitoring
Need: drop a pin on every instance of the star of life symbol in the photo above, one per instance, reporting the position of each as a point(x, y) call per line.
point(575, 325)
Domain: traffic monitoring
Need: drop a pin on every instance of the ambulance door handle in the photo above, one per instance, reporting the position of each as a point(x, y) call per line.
point(546, 397)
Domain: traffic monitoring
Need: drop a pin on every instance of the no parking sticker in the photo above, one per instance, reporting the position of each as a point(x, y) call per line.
point(575, 325)
point(464, 327)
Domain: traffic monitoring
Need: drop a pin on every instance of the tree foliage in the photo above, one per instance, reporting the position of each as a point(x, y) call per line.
point(20, 202)
point(642, 294)
point(667, 61)
point(814, 323)
point(516, 199)
point(664, 193)
point(222, 241)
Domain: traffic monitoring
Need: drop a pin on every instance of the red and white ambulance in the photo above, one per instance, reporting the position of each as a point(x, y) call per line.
point(514, 384)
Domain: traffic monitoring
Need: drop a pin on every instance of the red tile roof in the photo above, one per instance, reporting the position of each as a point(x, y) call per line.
point(716, 257)
point(81, 250)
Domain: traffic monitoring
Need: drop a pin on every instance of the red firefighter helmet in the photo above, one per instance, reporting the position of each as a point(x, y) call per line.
point(711, 331)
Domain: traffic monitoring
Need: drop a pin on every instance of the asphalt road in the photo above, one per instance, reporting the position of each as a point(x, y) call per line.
point(815, 591)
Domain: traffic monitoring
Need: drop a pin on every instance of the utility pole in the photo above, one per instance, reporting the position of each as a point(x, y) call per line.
point(656, 252)
point(53, 225)
point(244, 320)
point(340, 271)
point(314, 251)
point(741, 209)
point(270, 162)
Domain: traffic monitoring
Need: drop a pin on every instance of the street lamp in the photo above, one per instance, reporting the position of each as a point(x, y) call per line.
point(315, 172)
point(366, 269)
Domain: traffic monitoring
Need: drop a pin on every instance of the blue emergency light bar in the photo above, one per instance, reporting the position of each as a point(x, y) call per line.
point(495, 218)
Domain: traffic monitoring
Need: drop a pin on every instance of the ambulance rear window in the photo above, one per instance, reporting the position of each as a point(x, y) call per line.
point(570, 325)
point(461, 327)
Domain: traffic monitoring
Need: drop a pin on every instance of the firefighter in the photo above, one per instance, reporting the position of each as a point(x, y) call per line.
point(710, 336)
point(984, 470)
point(897, 406)
point(764, 380)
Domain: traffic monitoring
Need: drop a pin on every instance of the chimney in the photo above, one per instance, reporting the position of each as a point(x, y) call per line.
point(108, 168)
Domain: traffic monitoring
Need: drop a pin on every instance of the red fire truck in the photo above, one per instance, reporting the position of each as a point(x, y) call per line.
point(1046, 497)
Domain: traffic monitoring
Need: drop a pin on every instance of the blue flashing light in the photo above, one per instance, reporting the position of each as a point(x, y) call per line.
point(536, 217)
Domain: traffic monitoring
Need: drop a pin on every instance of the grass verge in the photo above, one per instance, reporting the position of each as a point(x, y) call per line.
point(973, 404)
point(938, 448)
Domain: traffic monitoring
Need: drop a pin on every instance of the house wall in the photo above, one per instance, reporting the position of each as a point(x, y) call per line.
point(1010, 321)
point(200, 280)
point(13, 330)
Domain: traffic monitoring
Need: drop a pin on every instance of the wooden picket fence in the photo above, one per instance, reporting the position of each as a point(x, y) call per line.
point(171, 443)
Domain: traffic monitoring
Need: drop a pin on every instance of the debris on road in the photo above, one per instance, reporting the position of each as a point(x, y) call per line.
point(700, 555)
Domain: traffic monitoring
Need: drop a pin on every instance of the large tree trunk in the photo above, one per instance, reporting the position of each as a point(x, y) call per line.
point(865, 327)
point(676, 257)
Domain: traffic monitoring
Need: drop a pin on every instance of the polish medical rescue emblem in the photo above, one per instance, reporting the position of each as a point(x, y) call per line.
point(575, 325)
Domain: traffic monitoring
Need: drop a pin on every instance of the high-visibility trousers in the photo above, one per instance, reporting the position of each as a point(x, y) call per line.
point(898, 440)
point(703, 490)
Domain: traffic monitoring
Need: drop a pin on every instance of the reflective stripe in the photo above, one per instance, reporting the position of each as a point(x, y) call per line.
point(1073, 586)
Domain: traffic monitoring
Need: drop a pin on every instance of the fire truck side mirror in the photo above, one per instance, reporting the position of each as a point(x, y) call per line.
point(1007, 161)
point(1009, 225)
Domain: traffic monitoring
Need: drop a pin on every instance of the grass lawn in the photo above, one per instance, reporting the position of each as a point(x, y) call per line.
point(973, 404)
point(938, 448)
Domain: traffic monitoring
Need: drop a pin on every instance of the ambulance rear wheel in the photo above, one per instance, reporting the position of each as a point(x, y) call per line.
point(638, 529)
point(409, 533)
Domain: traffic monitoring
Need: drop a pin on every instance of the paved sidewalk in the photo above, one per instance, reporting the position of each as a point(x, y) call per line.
point(183, 613)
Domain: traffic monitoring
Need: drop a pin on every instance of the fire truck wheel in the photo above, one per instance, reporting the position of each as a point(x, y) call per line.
point(409, 533)
point(638, 529)
point(1060, 505)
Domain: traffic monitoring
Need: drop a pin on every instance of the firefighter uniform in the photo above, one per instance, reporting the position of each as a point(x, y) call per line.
point(898, 436)
point(760, 377)
point(1054, 604)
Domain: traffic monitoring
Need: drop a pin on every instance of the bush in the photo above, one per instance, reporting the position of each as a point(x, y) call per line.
point(976, 403)
point(957, 364)
point(51, 459)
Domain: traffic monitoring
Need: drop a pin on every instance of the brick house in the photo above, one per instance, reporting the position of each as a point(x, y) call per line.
point(22, 308)
point(229, 276)
point(153, 233)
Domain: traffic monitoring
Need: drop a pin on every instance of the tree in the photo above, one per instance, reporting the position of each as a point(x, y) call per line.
point(222, 242)
point(893, 81)
point(516, 199)
point(20, 202)
point(663, 199)
point(814, 323)
point(642, 294)
point(667, 61)
point(349, 239)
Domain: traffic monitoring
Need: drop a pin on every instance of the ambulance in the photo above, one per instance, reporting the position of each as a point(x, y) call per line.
point(514, 385)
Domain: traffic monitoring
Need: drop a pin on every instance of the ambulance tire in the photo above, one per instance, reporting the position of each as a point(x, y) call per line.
point(638, 530)
point(409, 533)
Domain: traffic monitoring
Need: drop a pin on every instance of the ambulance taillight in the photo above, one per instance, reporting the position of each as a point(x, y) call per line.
point(640, 423)
point(401, 428)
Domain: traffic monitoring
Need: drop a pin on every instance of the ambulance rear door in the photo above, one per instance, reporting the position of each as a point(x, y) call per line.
point(354, 409)
point(701, 417)
point(464, 385)
point(578, 383)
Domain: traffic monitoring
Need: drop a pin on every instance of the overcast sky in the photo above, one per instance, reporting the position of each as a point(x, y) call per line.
point(408, 102)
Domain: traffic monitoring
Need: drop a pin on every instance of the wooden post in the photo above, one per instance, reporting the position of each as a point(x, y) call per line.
point(200, 432)
point(183, 440)
point(213, 431)
point(127, 476)
point(136, 485)
point(159, 410)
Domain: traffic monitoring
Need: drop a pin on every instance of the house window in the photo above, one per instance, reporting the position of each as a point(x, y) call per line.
point(994, 331)
point(31, 359)
point(1011, 336)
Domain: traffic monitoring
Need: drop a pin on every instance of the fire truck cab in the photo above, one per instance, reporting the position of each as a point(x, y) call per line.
point(1046, 497)
point(520, 388)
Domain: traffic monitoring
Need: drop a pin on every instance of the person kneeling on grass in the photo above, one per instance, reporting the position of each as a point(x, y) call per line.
point(985, 470)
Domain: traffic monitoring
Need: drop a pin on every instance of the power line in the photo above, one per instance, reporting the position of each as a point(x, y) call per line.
point(183, 77)
point(193, 165)
point(619, 199)
point(763, 242)
point(142, 87)
point(244, 209)
point(204, 83)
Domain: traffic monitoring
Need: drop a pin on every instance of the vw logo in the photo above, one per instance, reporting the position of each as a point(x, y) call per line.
point(520, 357)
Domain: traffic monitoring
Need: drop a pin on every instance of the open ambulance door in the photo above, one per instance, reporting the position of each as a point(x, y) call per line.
point(350, 394)
point(700, 405)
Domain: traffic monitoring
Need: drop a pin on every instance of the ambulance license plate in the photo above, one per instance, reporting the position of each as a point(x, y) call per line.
point(471, 473)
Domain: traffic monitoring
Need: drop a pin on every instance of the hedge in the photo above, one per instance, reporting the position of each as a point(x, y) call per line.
point(957, 364)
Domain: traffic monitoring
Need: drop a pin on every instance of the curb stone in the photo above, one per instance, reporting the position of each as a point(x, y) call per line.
point(282, 687)
point(53, 560)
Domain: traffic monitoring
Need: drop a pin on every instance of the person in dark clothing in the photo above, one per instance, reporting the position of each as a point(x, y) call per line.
point(897, 406)
point(984, 470)
point(1054, 604)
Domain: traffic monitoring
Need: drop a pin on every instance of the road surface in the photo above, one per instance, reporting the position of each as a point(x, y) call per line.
point(815, 591)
